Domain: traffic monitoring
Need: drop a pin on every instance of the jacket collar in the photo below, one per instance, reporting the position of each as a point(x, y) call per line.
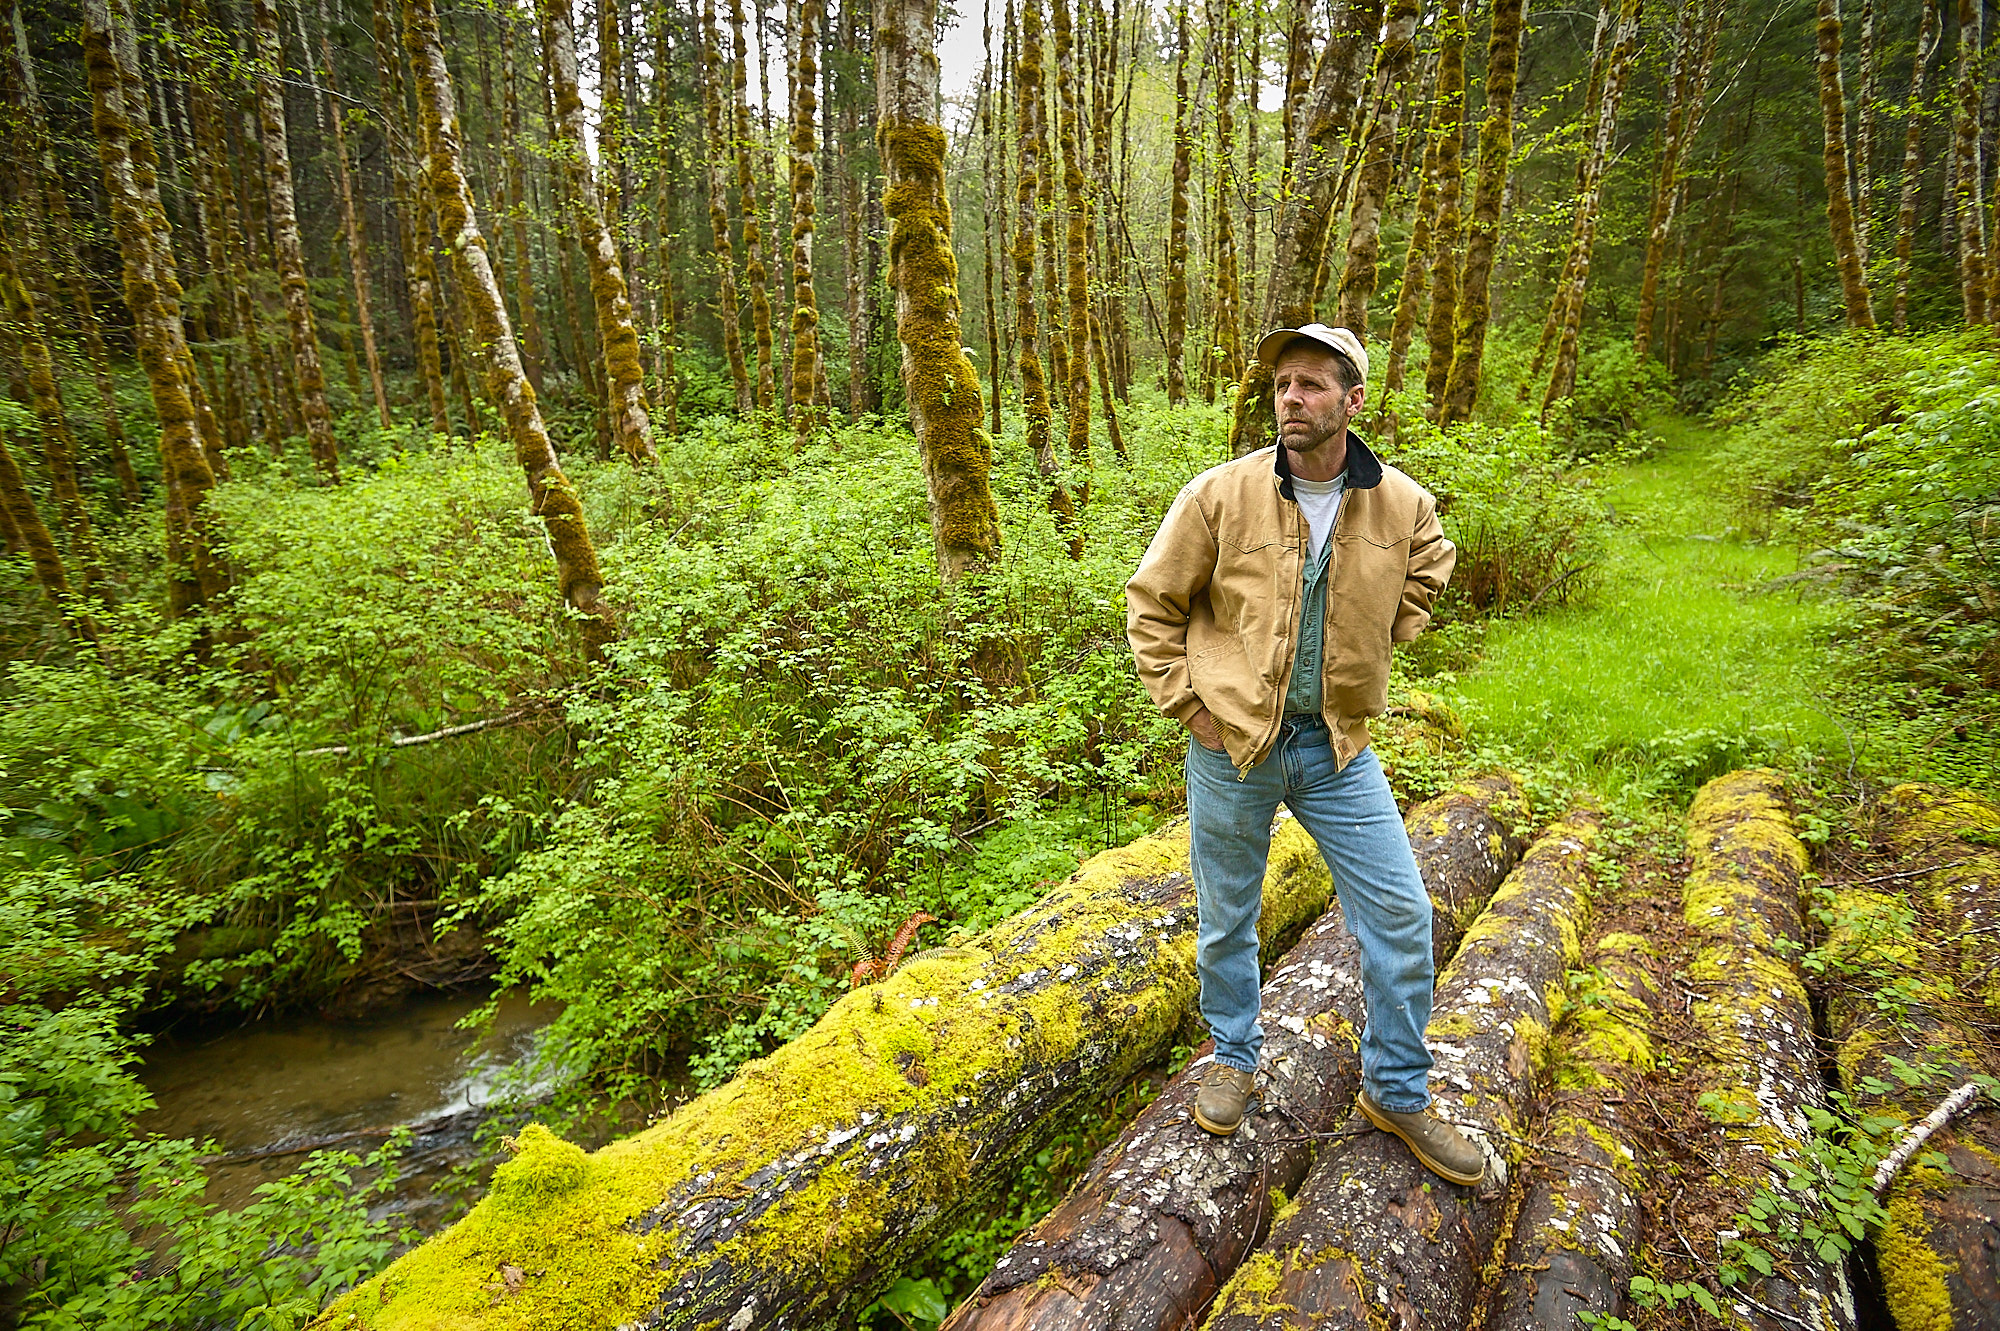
point(1364, 469)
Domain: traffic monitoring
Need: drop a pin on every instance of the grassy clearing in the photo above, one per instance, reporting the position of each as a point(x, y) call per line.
point(1685, 663)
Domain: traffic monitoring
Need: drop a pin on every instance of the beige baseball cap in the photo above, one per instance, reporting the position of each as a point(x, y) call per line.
point(1339, 341)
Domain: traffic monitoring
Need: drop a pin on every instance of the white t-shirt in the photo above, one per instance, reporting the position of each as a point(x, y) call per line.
point(1320, 502)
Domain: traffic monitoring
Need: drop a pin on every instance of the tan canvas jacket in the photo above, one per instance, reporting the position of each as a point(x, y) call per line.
point(1213, 610)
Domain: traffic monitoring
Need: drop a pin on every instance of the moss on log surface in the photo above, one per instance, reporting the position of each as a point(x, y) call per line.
point(1957, 835)
point(1900, 1053)
point(799, 1189)
point(1375, 1239)
point(1581, 1217)
point(1760, 1072)
point(1167, 1211)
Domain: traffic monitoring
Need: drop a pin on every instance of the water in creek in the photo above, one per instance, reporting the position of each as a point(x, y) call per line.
point(270, 1092)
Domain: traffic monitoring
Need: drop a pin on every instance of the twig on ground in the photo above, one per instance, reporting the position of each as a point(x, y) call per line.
point(1916, 1135)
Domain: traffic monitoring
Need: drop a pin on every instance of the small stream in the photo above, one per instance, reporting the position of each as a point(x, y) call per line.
point(269, 1093)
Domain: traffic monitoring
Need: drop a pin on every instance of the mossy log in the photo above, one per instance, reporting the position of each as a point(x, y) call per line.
point(1580, 1222)
point(1167, 1211)
point(1374, 1238)
point(1936, 1251)
point(1760, 1071)
point(1955, 835)
point(797, 1191)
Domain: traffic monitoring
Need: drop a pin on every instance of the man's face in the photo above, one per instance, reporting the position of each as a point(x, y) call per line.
point(1312, 407)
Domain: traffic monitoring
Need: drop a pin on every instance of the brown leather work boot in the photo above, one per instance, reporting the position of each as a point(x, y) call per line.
point(1438, 1146)
point(1225, 1094)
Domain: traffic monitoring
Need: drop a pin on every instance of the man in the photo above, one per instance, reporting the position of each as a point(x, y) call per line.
point(1261, 618)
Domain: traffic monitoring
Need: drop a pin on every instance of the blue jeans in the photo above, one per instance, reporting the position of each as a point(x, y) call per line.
point(1352, 816)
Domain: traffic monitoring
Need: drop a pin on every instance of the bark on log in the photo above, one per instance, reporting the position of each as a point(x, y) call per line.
point(797, 1191)
point(1761, 1071)
point(1167, 1211)
point(1580, 1225)
point(1956, 831)
point(1376, 1239)
point(1935, 1250)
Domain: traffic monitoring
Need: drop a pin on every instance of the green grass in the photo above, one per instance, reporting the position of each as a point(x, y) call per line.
point(1685, 662)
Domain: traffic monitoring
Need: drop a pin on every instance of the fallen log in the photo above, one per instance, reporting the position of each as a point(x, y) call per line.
point(1899, 1052)
point(1956, 835)
point(795, 1193)
point(1580, 1222)
point(1166, 1212)
point(1760, 1074)
point(1374, 1239)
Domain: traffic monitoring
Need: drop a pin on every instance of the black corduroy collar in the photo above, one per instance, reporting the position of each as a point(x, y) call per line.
point(1364, 469)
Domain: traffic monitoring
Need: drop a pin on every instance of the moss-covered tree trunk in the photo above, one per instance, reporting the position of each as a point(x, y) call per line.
point(1901, 1049)
point(1075, 239)
point(994, 194)
point(1865, 116)
point(1306, 204)
point(1417, 257)
point(352, 220)
point(611, 302)
point(1578, 1234)
point(26, 530)
point(1847, 254)
point(1167, 1211)
point(29, 342)
point(1956, 831)
point(534, 352)
point(943, 391)
point(1965, 158)
point(196, 572)
point(1759, 1075)
point(1693, 62)
point(1441, 319)
point(805, 305)
point(412, 232)
point(1177, 219)
point(1928, 34)
point(799, 1190)
point(669, 181)
point(1036, 411)
point(713, 72)
point(554, 499)
point(1371, 1226)
point(1394, 59)
point(755, 273)
point(1496, 152)
point(286, 245)
point(1222, 358)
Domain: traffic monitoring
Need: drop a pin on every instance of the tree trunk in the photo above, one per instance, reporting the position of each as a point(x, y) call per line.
point(411, 212)
point(1177, 217)
point(1761, 1077)
point(1051, 254)
point(712, 74)
point(51, 418)
point(1496, 150)
point(1934, 1247)
point(617, 335)
point(1913, 160)
point(554, 499)
point(1076, 240)
point(943, 391)
point(1035, 408)
point(1965, 157)
point(667, 237)
point(1166, 1212)
point(1306, 205)
point(351, 221)
point(1580, 1225)
point(1441, 320)
point(798, 1191)
point(1223, 358)
point(286, 245)
point(25, 525)
point(1865, 112)
point(1701, 20)
point(196, 572)
point(805, 307)
point(1957, 831)
point(990, 190)
point(1417, 258)
point(1576, 276)
point(1393, 60)
point(1371, 1226)
point(535, 352)
point(1839, 210)
point(754, 270)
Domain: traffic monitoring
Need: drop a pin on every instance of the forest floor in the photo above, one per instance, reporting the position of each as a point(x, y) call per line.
point(1689, 656)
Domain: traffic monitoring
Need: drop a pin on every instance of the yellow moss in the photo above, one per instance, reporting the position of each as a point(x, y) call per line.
point(1250, 1291)
point(1913, 1274)
point(910, 1046)
point(1739, 832)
